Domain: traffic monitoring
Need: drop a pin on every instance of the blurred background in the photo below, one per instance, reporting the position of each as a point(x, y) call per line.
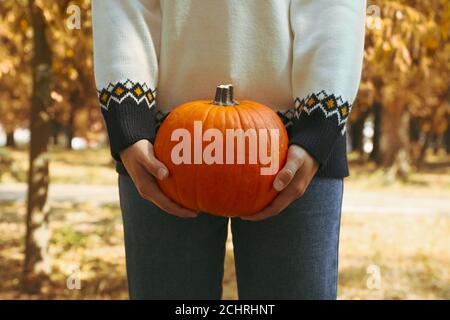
point(60, 223)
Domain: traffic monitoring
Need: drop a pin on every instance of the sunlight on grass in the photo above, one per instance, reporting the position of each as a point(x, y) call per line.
point(67, 166)
point(410, 251)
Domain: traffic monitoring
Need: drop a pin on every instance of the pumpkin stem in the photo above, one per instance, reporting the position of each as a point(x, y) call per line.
point(224, 95)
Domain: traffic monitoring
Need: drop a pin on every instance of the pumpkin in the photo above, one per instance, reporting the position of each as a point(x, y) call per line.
point(203, 144)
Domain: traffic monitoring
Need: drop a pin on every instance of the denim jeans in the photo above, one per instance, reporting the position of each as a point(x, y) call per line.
point(291, 256)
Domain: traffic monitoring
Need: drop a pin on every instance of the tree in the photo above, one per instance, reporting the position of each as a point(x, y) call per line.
point(407, 66)
point(62, 90)
point(37, 261)
point(74, 87)
point(15, 76)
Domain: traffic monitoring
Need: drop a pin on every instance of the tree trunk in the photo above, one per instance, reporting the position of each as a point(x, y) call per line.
point(415, 136)
point(417, 140)
point(56, 128)
point(37, 265)
point(69, 130)
point(447, 138)
point(437, 143)
point(395, 143)
point(375, 155)
point(414, 129)
point(10, 142)
point(357, 134)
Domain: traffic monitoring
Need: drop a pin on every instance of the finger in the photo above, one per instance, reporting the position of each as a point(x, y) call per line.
point(164, 203)
point(273, 209)
point(150, 191)
point(294, 190)
point(293, 163)
point(155, 167)
point(171, 207)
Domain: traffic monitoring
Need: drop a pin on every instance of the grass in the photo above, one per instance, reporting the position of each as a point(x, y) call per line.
point(434, 176)
point(84, 236)
point(79, 167)
point(387, 256)
point(410, 252)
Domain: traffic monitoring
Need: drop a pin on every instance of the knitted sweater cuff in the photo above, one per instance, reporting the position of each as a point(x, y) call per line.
point(128, 114)
point(315, 134)
point(126, 124)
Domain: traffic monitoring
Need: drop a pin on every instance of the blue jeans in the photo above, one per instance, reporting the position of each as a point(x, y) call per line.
point(291, 256)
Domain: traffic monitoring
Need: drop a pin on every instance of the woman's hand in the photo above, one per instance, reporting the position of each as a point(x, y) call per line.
point(291, 181)
point(143, 167)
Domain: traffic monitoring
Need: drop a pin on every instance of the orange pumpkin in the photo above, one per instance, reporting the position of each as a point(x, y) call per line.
point(207, 172)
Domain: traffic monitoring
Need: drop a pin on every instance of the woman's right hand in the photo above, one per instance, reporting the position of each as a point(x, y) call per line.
point(143, 168)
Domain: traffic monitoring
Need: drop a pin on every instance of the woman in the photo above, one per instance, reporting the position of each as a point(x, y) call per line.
point(301, 57)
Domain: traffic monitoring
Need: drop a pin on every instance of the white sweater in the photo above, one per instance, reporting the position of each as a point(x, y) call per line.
point(300, 57)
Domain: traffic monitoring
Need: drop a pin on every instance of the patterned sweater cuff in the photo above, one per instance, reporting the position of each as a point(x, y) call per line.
point(128, 113)
point(315, 134)
point(319, 122)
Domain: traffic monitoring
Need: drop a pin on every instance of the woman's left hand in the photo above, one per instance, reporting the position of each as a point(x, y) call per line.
point(292, 182)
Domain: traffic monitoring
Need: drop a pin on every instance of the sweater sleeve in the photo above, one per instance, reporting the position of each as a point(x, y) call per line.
point(126, 48)
point(327, 61)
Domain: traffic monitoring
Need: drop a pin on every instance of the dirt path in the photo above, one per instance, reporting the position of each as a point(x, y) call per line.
point(355, 201)
point(76, 193)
